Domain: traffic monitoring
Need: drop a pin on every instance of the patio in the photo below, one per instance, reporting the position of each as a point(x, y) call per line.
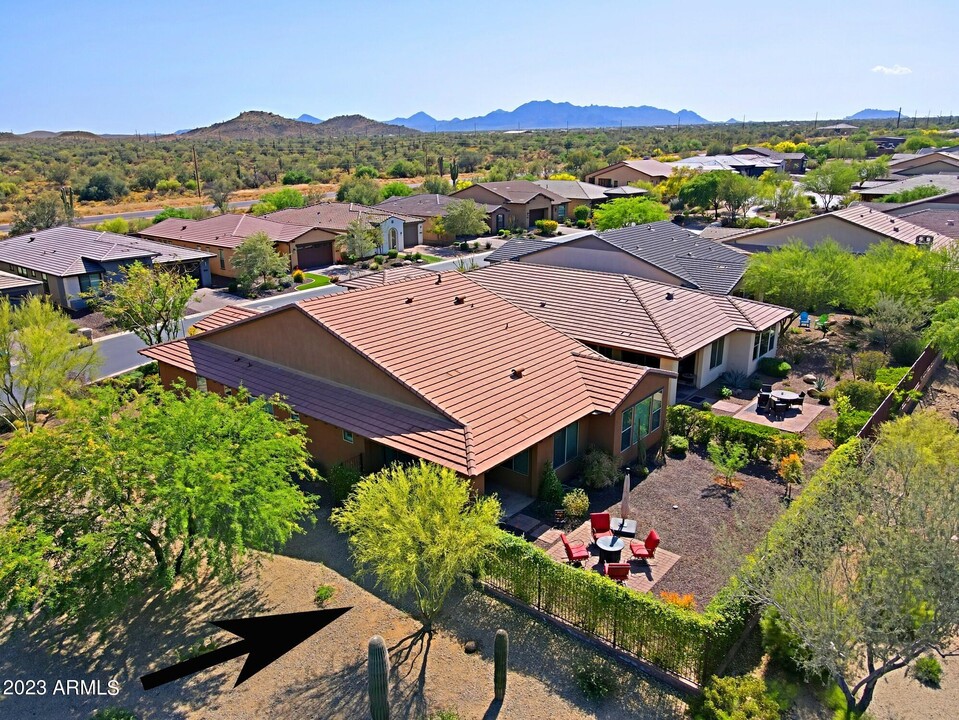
point(796, 419)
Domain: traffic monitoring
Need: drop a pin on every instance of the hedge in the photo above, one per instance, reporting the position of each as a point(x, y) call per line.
point(774, 366)
point(702, 427)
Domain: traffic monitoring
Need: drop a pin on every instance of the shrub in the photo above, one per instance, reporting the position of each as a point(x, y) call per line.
point(169, 185)
point(735, 379)
point(576, 503)
point(783, 646)
point(323, 594)
point(756, 222)
point(547, 227)
point(728, 459)
point(581, 223)
point(725, 393)
point(678, 445)
point(867, 364)
point(298, 276)
point(341, 480)
point(379, 259)
point(679, 419)
point(862, 395)
point(594, 680)
point(928, 671)
point(102, 186)
point(906, 352)
point(550, 488)
point(233, 287)
point(392, 253)
point(889, 377)
point(581, 213)
point(737, 698)
point(774, 367)
point(687, 601)
point(599, 469)
point(296, 177)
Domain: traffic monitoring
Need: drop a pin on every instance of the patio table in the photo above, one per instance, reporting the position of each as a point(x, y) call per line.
point(784, 395)
point(610, 548)
point(621, 526)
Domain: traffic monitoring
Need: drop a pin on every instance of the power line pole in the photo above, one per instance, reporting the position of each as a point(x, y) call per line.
point(196, 172)
point(898, 117)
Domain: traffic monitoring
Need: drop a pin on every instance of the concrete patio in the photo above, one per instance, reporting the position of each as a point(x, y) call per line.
point(794, 420)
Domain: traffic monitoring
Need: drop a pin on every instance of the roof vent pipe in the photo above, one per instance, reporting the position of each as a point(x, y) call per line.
point(459, 299)
point(669, 296)
point(408, 300)
point(516, 373)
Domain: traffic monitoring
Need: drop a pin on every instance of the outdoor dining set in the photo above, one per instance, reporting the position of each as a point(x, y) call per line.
point(778, 402)
point(610, 536)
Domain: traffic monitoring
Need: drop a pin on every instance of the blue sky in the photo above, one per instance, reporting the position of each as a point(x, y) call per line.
point(149, 66)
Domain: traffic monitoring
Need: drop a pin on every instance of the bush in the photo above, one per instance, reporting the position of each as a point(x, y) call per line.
point(677, 445)
point(599, 469)
point(867, 364)
point(737, 698)
point(906, 352)
point(735, 379)
point(392, 253)
point(298, 276)
point(889, 377)
point(547, 227)
point(581, 213)
point(102, 186)
point(862, 395)
point(774, 367)
point(782, 645)
point(341, 480)
point(928, 671)
point(595, 681)
point(581, 223)
point(323, 594)
point(550, 488)
point(576, 503)
point(296, 177)
point(725, 393)
point(687, 601)
point(379, 259)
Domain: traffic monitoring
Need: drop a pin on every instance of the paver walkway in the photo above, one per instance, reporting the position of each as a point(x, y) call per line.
point(796, 419)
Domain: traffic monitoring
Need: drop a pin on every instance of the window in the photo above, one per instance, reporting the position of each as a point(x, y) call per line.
point(626, 434)
point(294, 416)
point(561, 213)
point(650, 361)
point(222, 261)
point(90, 281)
point(348, 437)
point(394, 238)
point(519, 463)
point(227, 392)
point(565, 443)
point(764, 342)
point(716, 353)
point(640, 420)
point(201, 383)
point(656, 411)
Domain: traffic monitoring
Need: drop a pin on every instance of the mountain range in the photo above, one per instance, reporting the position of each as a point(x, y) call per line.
point(873, 114)
point(256, 124)
point(548, 115)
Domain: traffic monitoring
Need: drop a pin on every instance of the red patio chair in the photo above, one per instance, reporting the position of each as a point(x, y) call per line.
point(617, 571)
point(575, 551)
point(645, 550)
point(599, 523)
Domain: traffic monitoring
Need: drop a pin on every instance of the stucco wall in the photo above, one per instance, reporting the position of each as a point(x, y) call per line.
point(591, 253)
point(811, 232)
point(622, 175)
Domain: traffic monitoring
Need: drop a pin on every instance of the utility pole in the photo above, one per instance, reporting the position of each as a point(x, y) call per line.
point(196, 172)
point(898, 117)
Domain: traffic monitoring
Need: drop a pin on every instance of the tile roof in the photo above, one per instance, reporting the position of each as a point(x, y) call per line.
point(924, 159)
point(334, 216)
point(64, 251)
point(454, 344)
point(727, 162)
point(390, 275)
point(945, 222)
point(224, 316)
point(624, 191)
point(228, 230)
point(517, 247)
point(573, 189)
point(653, 168)
point(949, 183)
point(423, 206)
point(518, 192)
point(9, 281)
point(626, 312)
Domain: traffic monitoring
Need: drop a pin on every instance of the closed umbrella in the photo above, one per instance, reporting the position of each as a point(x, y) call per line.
point(624, 506)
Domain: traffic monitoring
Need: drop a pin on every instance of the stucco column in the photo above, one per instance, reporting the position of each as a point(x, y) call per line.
point(673, 366)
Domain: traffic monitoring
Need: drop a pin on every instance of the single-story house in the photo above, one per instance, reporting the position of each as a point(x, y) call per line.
point(443, 370)
point(751, 165)
point(16, 287)
point(660, 251)
point(629, 171)
point(398, 232)
point(839, 129)
point(944, 221)
point(223, 316)
point(385, 277)
point(877, 191)
point(887, 143)
point(946, 201)
point(793, 162)
point(934, 163)
point(583, 193)
point(69, 260)
point(856, 227)
point(523, 203)
point(695, 334)
point(429, 208)
point(221, 235)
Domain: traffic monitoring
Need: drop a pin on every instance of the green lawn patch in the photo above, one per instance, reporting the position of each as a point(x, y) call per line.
point(430, 258)
point(315, 280)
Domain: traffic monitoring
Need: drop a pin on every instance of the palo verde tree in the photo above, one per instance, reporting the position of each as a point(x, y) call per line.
point(46, 211)
point(416, 529)
point(737, 192)
point(943, 331)
point(149, 302)
point(869, 583)
point(800, 277)
point(702, 191)
point(829, 181)
point(628, 211)
point(359, 240)
point(256, 261)
point(41, 361)
point(463, 217)
point(132, 489)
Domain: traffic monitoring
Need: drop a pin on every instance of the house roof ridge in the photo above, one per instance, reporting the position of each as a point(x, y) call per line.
point(470, 450)
point(649, 314)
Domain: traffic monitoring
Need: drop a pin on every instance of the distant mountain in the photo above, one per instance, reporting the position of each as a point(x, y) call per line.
point(309, 119)
point(873, 114)
point(547, 115)
point(256, 124)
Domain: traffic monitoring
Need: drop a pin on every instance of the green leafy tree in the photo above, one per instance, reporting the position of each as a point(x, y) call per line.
point(829, 181)
point(464, 218)
point(46, 211)
point(395, 189)
point(256, 261)
point(149, 302)
point(800, 277)
point(131, 489)
point(737, 192)
point(868, 582)
point(41, 361)
point(869, 170)
point(362, 190)
point(728, 459)
point(892, 320)
point(219, 192)
point(103, 186)
point(359, 240)
point(702, 192)
point(417, 529)
point(280, 200)
point(628, 211)
point(943, 331)
point(435, 185)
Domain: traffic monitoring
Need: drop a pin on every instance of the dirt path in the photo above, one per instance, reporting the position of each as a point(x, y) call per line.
point(324, 677)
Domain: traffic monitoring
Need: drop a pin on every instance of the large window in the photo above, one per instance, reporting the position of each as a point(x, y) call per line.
point(519, 463)
point(565, 443)
point(640, 420)
point(394, 238)
point(90, 281)
point(716, 353)
point(764, 342)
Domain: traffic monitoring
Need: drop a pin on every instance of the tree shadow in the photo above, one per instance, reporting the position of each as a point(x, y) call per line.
point(724, 493)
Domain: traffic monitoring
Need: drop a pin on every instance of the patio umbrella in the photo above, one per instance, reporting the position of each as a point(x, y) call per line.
point(624, 506)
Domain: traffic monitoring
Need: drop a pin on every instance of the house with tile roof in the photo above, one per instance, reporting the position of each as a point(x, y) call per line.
point(696, 335)
point(933, 163)
point(430, 209)
point(525, 202)
point(438, 368)
point(221, 235)
point(15, 287)
point(793, 162)
point(629, 171)
point(856, 228)
point(583, 193)
point(70, 260)
point(751, 165)
point(878, 190)
point(398, 232)
point(660, 251)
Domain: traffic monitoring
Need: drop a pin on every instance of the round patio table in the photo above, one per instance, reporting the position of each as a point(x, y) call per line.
point(784, 395)
point(610, 548)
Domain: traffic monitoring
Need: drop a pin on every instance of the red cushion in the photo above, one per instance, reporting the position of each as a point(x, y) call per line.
point(617, 571)
point(599, 522)
point(652, 541)
point(601, 534)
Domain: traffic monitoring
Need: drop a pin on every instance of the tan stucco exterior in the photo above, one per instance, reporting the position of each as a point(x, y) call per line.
point(618, 175)
point(812, 232)
point(520, 215)
point(591, 253)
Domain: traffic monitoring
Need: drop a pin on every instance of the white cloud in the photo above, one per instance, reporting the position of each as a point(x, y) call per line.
point(894, 70)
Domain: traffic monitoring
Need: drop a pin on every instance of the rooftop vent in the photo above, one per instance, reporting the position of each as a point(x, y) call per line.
point(439, 278)
point(459, 299)
point(408, 301)
point(31, 239)
point(542, 303)
point(669, 296)
point(516, 373)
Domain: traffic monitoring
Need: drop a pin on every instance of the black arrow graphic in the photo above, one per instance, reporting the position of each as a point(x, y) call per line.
point(265, 638)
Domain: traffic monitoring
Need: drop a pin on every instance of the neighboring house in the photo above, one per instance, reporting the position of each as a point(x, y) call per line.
point(750, 165)
point(385, 277)
point(398, 232)
point(437, 368)
point(935, 163)
point(793, 162)
point(69, 260)
point(887, 143)
point(660, 251)
point(629, 171)
point(16, 287)
point(695, 334)
point(582, 193)
point(944, 222)
point(839, 129)
point(221, 235)
point(949, 183)
point(223, 316)
point(856, 228)
point(429, 209)
point(946, 201)
point(523, 202)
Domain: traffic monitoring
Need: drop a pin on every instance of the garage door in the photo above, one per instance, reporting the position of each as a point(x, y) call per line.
point(308, 256)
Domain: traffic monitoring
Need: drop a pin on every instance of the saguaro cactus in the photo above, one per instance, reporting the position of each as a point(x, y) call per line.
point(500, 658)
point(379, 678)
